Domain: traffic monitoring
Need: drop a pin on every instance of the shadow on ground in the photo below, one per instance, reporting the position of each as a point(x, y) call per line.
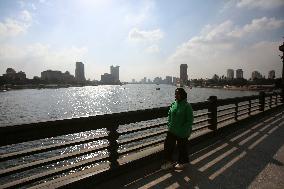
point(251, 157)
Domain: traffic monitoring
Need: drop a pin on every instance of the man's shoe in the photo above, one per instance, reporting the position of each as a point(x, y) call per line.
point(180, 166)
point(167, 165)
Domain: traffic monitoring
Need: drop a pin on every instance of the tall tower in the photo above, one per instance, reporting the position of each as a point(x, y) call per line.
point(79, 72)
point(183, 74)
point(281, 48)
point(230, 74)
point(114, 71)
point(239, 74)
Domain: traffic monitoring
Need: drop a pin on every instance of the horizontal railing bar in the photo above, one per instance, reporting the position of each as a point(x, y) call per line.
point(144, 128)
point(201, 121)
point(34, 131)
point(222, 115)
point(222, 102)
point(141, 137)
point(241, 105)
point(254, 102)
point(254, 109)
point(228, 108)
point(141, 146)
point(50, 160)
point(241, 114)
point(46, 174)
point(202, 114)
point(242, 109)
point(200, 127)
point(273, 102)
point(226, 119)
point(257, 105)
point(47, 148)
point(200, 105)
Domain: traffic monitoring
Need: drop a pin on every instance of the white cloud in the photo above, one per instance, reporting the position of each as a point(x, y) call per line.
point(33, 6)
point(11, 27)
point(140, 35)
point(146, 38)
point(262, 4)
point(35, 58)
point(140, 15)
point(153, 49)
point(25, 16)
point(226, 45)
point(257, 25)
point(26, 5)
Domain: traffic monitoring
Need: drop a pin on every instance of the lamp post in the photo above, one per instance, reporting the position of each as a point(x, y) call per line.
point(281, 48)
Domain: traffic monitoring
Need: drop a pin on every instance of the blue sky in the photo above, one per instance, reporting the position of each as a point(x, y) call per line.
point(145, 38)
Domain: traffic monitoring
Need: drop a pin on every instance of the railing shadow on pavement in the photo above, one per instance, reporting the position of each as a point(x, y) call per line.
point(234, 161)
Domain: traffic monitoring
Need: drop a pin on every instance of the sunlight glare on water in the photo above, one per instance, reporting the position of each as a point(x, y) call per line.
point(33, 105)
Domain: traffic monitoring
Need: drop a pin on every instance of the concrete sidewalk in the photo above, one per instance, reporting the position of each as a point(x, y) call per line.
point(252, 157)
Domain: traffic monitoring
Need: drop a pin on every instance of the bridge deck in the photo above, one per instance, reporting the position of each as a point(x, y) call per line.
point(251, 157)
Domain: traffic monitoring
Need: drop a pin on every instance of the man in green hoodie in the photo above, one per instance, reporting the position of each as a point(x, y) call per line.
point(180, 120)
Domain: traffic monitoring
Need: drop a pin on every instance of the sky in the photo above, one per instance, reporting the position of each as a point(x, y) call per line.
point(145, 38)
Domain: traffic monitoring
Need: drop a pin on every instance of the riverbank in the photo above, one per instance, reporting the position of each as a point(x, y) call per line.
point(265, 88)
point(8, 87)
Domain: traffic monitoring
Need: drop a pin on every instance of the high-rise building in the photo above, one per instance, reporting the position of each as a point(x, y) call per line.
point(114, 71)
point(169, 80)
point(144, 80)
point(52, 76)
point(183, 74)
point(230, 74)
point(175, 80)
point(107, 79)
point(158, 80)
point(255, 75)
point(239, 74)
point(271, 74)
point(80, 72)
point(57, 76)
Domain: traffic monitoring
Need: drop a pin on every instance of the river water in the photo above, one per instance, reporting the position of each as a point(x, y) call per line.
point(33, 105)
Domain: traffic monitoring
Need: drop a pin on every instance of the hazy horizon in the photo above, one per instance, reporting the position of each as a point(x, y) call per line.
point(145, 38)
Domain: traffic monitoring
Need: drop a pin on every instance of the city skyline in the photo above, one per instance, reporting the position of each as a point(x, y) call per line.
point(143, 37)
point(114, 74)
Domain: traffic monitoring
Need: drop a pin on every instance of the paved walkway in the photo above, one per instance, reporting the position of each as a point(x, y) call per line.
point(252, 157)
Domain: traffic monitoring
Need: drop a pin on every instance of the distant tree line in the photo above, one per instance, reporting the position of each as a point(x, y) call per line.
point(240, 82)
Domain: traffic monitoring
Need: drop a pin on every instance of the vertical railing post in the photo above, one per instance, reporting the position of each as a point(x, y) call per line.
point(249, 109)
point(236, 110)
point(113, 146)
point(282, 90)
point(270, 102)
point(276, 99)
point(213, 112)
point(261, 101)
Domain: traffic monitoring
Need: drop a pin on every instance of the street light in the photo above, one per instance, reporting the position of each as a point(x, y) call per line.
point(281, 48)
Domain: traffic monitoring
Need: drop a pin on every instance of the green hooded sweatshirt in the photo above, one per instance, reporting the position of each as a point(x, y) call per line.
point(180, 119)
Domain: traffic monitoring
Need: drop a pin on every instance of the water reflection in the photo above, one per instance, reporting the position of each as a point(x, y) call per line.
point(26, 106)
